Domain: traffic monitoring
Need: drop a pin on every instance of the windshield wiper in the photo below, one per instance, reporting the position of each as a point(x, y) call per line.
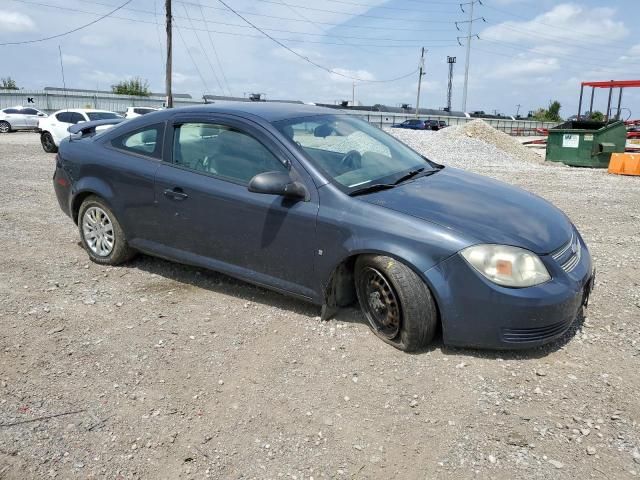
point(408, 175)
point(371, 188)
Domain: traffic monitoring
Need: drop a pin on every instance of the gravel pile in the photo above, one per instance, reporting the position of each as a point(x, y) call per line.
point(471, 146)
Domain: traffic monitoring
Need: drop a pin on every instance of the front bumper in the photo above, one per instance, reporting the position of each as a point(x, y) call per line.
point(478, 313)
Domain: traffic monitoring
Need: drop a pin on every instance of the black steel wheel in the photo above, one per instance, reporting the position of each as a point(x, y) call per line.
point(381, 304)
point(48, 145)
point(396, 302)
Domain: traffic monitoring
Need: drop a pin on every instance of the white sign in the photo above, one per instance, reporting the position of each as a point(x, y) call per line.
point(570, 140)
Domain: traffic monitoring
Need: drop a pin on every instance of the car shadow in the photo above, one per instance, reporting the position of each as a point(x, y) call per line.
point(224, 284)
point(221, 283)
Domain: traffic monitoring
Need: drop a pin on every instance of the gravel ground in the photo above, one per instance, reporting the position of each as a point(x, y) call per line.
point(157, 370)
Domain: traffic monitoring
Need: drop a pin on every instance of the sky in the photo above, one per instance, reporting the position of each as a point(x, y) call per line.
point(526, 53)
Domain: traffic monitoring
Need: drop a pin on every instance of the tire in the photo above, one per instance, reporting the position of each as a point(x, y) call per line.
point(91, 220)
point(396, 302)
point(5, 127)
point(48, 145)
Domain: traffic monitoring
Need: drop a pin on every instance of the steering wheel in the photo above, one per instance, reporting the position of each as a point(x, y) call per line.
point(203, 164)
point(352, 160)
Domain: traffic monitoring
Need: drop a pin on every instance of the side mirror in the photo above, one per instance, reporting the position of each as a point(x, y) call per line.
point(40, 114)
point(277, 183)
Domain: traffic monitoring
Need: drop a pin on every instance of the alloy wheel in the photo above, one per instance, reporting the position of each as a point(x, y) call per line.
point(97, 230)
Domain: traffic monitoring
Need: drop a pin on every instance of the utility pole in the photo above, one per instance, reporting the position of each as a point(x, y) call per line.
point(353, 94)
point(469, 36)
point(451, 61)
point(420, 74)
point(518, 110)
point(168, 66)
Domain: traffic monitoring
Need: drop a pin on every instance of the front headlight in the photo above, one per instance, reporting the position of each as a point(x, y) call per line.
point(507, 266)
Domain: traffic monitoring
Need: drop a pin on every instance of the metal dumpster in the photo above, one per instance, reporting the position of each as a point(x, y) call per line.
point(582, 143)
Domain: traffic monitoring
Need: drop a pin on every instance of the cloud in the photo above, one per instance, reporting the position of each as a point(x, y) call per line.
point(95, 41)
point(343, 73)
point(566, 21)
point(72, 60)
point(523, 66)
point(15, 22)
point(181, 78)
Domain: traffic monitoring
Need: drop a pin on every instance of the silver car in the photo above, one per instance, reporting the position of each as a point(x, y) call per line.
point(19, 118)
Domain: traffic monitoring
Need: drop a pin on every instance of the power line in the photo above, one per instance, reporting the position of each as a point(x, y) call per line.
point(515, 46)
point(215, 51)
point(356, 15)
point(320, 29)
point(204, 51)
point(162, 56)
point(387, 7)
point(70, 31)
point(307, 59)
point(596, 37)
point(206, 21)
point(204, 83)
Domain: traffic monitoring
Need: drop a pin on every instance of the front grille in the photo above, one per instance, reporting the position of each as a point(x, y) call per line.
point(568, 256)
point(523, 335)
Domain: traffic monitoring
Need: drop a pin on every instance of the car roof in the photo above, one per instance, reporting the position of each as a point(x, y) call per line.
point(83, 110)
point(269, 111)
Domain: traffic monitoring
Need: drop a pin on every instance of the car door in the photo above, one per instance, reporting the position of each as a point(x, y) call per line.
point(15, 118)
point(132, 160)
point(30, 117)
point(209, 217)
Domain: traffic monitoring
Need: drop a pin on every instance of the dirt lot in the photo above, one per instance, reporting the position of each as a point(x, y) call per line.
point(163, 371)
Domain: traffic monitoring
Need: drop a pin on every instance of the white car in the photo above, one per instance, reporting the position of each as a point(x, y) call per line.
point(53, 129)
point(19, 118)
point(133, 112)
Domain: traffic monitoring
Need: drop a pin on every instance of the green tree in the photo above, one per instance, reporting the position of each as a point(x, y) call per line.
point(551, 114)
point(597, 116)
point(8, 83)
point(133, 86)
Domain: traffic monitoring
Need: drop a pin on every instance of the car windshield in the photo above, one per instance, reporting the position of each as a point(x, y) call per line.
point(102, 115)
point(352, 152)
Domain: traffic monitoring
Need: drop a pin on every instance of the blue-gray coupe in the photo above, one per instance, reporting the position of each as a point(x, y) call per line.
point(328, 208)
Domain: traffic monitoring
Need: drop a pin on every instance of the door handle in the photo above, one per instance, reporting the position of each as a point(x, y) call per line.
point(176, 193)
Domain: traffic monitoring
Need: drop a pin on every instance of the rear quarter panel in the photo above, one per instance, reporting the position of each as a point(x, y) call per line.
point(125, 182)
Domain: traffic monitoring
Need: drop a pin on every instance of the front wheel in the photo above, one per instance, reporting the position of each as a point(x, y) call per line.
point(5, 127)
point(49, 146)
point(101, 233)
point(397, 303)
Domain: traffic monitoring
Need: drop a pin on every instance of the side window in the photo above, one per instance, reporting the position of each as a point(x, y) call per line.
point(10, 110)
point(64, 117)
point(222, 151)
point(76, 117)
point(29, 111)
point(146, 141)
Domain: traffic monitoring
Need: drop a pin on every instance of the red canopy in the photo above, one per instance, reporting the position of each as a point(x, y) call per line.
point(613, 84)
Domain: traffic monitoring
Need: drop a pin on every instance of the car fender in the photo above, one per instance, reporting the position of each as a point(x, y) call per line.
point(90, 186)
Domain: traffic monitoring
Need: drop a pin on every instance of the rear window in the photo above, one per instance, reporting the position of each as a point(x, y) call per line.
point(146, 141)
point(102, 115)
point(143, 111)
point(64, 117)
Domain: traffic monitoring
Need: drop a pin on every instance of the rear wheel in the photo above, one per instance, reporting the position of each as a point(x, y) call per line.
point(396, 302)
point(48, 144)
point(5, 127)
point(101, 234)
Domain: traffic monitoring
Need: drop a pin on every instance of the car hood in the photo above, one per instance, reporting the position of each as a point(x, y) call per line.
point(487, 210)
